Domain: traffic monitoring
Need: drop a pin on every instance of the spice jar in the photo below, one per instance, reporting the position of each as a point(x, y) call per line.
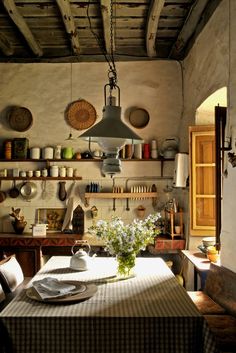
point(8, 149)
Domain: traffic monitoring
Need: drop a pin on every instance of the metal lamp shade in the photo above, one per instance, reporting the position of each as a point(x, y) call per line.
point(111, 133)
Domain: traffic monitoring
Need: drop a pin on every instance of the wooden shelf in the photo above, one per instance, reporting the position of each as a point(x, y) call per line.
point(85, 160)
point(122, 195)
point(40, 178)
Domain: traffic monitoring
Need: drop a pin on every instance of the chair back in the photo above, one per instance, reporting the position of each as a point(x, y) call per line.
point(2, 294)
point(11, 274)
point(221, 287)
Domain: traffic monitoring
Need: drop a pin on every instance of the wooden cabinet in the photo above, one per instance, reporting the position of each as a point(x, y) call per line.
point(29, 249)
point(202, 180)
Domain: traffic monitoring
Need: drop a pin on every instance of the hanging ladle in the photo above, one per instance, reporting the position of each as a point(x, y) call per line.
point(14, 192)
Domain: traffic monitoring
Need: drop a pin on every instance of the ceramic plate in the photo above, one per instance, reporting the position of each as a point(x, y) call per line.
point(81, 292)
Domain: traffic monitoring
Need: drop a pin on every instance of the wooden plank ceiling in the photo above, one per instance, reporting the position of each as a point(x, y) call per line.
point(69, 30)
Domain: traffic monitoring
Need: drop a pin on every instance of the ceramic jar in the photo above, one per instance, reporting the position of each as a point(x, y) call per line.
point(35, 153)
point(62, 172)
point(47, 152)
point(69, 172)
point(54, 171)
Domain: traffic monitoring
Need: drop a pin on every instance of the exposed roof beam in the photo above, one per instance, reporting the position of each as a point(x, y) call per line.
point(106, 19)
point(199, 15)
point(152, 26)
point(65, 9)
point(22, 26)
point(5, 45)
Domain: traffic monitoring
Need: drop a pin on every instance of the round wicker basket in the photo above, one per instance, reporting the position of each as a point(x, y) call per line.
point(81, 114)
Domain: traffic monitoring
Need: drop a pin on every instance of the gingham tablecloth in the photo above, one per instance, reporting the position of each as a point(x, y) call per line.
point(148, 313)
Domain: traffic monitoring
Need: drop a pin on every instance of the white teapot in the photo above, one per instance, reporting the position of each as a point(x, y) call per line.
point(80, 260)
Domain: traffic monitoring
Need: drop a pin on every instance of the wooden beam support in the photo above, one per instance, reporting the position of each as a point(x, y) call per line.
point(199, 15)
point(152, 26)
point(5, 46)
point(106, 19)
point(65, 9)
point(22, 26)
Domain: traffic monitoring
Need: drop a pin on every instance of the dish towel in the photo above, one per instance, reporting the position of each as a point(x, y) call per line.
point(50, 287)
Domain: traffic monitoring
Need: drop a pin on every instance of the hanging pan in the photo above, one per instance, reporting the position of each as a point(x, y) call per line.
point(28, 190)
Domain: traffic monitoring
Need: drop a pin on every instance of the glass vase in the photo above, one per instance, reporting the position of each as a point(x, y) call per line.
point(125, 264)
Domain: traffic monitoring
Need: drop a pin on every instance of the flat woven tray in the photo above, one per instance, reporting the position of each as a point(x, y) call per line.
point(20, 119)
point(81, 114)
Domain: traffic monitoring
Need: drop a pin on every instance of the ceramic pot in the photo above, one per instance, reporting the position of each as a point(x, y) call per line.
point(19, 226)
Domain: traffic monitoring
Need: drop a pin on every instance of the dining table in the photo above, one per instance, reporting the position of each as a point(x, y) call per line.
point(146, 312)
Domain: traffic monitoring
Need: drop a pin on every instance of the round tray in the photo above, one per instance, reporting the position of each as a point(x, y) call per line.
point(139, 118)
point(81, 114)
point(20, 119)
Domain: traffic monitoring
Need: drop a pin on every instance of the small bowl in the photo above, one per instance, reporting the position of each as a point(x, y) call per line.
point(209, 241)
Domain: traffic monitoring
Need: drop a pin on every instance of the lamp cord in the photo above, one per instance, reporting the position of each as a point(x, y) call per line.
point(112, 73)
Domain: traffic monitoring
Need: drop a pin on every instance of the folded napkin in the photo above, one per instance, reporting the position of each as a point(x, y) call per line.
point(49, 287)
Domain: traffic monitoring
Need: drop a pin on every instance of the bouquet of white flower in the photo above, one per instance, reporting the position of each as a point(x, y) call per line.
point(126, 240)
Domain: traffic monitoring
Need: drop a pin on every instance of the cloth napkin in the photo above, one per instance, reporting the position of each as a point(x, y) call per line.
point(49, 287)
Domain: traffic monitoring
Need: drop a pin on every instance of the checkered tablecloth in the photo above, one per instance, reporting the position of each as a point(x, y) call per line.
point(148, 313)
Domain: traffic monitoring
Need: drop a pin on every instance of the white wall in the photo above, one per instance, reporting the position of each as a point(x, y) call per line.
point(229, 191)
point(206, 69)
point(45, 89)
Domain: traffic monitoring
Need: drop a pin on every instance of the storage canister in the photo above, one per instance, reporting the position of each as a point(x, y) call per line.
point(8, 149)
point(69, 172)
point(35, 153)
point(47, 152)
point(62, 172)
point(54, 171)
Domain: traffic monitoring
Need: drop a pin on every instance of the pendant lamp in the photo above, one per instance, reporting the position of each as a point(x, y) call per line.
point(111, 133)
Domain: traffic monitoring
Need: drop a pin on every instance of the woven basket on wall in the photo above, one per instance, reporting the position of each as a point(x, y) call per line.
point(81, 114)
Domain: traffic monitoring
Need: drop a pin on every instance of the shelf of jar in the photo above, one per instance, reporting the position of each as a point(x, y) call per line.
point(40, 178)
point(160, 159)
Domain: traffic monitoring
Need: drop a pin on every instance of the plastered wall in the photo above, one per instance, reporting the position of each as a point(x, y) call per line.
point(47, 89)
point(210, 66)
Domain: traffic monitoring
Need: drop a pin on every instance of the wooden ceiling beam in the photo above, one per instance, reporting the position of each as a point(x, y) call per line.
point(106, 20)
point(22, 26)
point(5, 46)
point(193, 23)
point(152, 26)
point(68, 19)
